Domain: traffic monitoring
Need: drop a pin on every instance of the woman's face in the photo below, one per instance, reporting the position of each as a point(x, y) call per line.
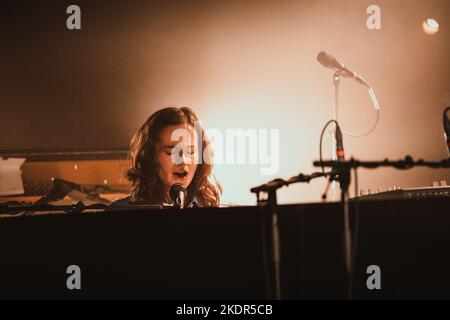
point(177, 155)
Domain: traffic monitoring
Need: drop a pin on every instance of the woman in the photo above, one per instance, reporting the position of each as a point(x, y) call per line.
point(166, 151)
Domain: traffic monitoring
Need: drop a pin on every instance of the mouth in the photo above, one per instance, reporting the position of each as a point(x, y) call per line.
point(180, 174)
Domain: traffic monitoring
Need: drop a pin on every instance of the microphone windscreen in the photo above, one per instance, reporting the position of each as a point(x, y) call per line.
point(175, 190)
point(325, 59)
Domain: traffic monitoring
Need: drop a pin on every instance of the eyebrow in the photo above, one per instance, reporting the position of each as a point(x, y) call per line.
point(172, 146)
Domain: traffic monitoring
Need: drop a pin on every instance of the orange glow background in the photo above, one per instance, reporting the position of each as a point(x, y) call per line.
point(251, 64)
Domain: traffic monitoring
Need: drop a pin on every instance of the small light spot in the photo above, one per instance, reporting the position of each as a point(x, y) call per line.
point(430, 26)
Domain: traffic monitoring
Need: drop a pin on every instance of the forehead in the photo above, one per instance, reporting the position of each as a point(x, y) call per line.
point(171, 135)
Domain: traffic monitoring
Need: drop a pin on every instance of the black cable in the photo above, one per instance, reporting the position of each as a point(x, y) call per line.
point(321, 139)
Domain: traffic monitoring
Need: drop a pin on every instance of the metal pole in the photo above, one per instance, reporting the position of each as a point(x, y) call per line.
point(275, 243)
point(336, 82)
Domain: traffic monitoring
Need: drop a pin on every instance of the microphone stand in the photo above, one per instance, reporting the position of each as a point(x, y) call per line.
point(336, 83)
point(373, 98)
point(344, 183)
point(342, 175)
point(343, 168)
point(271, 202)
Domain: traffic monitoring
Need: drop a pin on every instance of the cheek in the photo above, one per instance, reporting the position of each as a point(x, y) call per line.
point(165, 164)
point(192, 169)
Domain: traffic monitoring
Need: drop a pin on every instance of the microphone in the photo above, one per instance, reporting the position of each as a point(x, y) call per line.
point(447, 129)
point(178, 194)
point(340, 153)
point(328, 61)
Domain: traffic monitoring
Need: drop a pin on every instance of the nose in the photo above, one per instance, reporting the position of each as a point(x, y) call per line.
point(181, 157)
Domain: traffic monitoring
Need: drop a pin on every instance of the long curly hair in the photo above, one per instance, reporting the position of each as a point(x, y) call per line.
point(146, 186)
